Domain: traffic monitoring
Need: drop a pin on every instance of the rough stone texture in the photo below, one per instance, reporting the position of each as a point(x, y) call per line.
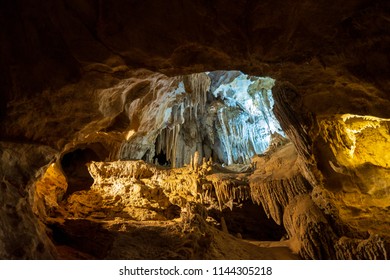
point(310, 232)
point(50, 189)
point(22, 235)
point(139, 210)
point(277, 179)
point(144, 191)
point(373, 248)
point(315, 235)
point(64, 63)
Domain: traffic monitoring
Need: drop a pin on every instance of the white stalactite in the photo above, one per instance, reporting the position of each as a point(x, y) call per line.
point(179, 120)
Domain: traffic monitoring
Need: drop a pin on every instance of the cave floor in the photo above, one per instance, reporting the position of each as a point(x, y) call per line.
point(126, 239)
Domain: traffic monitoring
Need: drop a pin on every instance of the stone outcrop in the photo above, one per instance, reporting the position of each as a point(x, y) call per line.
point(277, 180)
point(311, 233)
point(315, 236)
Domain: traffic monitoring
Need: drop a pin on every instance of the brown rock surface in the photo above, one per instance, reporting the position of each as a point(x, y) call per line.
point(276, 180)
point(82, 78)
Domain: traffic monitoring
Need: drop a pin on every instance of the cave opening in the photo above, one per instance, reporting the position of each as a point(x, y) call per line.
point(74, 166)
point(219, 119)
point(224, 115)
point(160, 158)
point(250, 221)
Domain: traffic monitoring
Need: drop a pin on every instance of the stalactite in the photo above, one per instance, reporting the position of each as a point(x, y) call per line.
point(224, 136)
point(185, 109)
point(198, 85)
point(229, 190)
point(275, 195)
point(183, 119)
point(245, 125)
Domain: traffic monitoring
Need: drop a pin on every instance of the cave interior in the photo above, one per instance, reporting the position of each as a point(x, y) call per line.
point(194, 130)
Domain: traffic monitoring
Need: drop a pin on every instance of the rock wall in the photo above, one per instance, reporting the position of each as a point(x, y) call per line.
point(22, 234)
point(69, 67)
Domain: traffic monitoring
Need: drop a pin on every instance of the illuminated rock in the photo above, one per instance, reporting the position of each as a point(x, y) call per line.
point(309, 230)
point(277, 180)
point(117, 80)
point(50, 190)
point(230, 119)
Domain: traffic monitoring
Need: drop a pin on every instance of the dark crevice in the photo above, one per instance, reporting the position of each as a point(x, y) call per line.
point(74, 165)
point(250, 222)
point(84, 236)
point(161, 159)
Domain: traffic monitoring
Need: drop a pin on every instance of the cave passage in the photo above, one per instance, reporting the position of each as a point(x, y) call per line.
point(161, 159)
point(250, 222)
point(224, 115)
point(124, 136)
point(74, 166)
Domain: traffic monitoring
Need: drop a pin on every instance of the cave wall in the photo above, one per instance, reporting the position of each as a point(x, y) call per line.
point(61, 62)
point(22, 234)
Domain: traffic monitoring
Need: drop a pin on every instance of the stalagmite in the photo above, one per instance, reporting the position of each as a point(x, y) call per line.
point(196, 161)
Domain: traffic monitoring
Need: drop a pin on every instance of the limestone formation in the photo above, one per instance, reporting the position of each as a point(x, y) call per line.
point(277, 180)
point(146, 124)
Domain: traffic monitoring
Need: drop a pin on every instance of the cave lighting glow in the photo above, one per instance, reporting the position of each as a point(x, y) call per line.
point(357, 124)
point(224, 115)
point(246, 131)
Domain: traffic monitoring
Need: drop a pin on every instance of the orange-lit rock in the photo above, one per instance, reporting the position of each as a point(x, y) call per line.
point(82, 81)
